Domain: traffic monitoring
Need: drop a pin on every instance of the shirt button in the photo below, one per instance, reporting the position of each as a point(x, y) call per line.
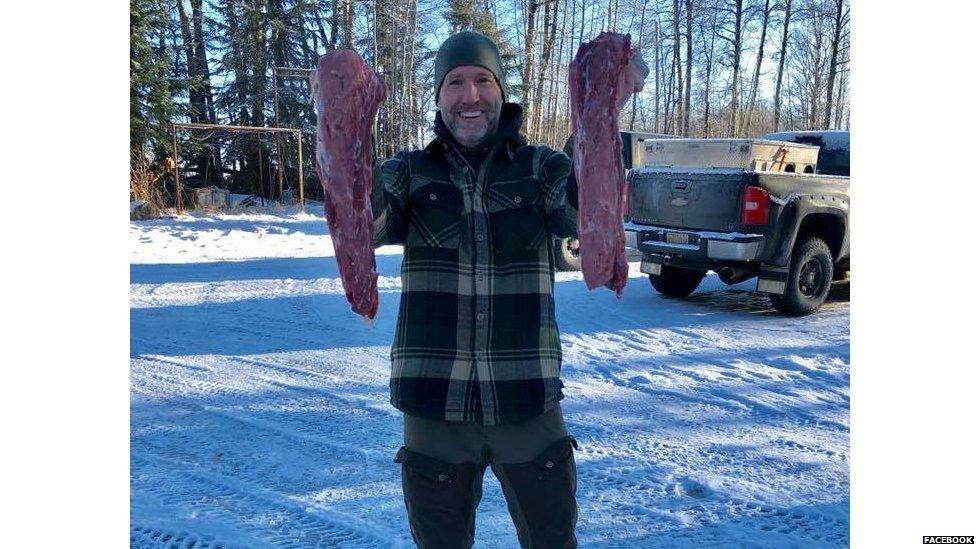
point(464, 169)
point(549, 465)
point(479, 236)
point(433, 196)
point(481, 317)
point(441, 477)
point(518, 199)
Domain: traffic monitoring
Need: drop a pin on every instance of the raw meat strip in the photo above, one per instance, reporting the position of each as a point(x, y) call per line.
point(594, 78)
point(347, 95)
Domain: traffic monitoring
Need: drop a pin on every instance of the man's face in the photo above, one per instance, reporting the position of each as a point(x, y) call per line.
point(470, 103)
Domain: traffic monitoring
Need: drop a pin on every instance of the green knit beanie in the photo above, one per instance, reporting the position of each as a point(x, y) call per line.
point(468, 48)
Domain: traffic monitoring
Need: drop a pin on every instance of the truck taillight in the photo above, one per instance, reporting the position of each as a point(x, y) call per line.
point(755, 207)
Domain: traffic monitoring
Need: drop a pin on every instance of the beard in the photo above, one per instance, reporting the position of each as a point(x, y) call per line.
point(474, 133)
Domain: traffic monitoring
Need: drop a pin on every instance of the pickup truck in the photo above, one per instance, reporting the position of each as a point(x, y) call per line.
point(776, 209)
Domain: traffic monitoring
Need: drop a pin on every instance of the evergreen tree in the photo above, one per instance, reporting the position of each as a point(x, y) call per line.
point(472, 15)
point(151, 89)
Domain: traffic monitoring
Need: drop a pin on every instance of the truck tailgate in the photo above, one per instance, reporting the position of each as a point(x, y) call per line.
point(687, 199)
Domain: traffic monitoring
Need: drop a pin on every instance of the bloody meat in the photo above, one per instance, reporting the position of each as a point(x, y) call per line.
point(347, 95)
point(595, 88)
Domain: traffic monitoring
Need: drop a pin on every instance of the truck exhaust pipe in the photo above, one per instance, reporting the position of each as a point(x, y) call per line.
point(735, 275)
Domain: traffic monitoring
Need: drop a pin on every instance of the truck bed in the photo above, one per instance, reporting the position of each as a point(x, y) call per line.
point(711, 200)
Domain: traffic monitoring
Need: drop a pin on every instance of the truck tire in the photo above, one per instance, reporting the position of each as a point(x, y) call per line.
point(808, 282)
point(566, 251)
point(675, 282)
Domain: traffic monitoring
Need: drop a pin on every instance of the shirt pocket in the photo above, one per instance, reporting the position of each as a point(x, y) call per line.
point(435, 213)
point(516, 215)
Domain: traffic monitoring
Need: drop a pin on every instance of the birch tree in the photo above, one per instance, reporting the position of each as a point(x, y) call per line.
point(736, 43)
point(754, 86)
point(840, 19)
point(787, 11)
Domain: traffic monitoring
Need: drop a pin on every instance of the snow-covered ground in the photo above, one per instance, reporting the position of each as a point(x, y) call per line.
point(260, 414)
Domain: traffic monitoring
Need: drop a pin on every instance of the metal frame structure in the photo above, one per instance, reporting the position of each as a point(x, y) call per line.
point(297, 132)
point(287, 72)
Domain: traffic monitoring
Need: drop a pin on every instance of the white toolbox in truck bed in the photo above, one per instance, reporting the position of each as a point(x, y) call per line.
point(743, 154)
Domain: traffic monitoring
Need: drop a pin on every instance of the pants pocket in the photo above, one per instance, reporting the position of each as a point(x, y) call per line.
point(441, 499)
point(544, 490)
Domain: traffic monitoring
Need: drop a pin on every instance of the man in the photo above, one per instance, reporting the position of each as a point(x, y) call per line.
point(476, 354)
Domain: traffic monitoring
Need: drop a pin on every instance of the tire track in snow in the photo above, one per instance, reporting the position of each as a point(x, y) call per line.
point(702, 389)
point(292, 379)
point(149, 537)
point(279, 521)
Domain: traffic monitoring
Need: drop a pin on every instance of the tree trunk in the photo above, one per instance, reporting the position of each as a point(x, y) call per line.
point(203, 66)
point(669, 104)
point(411, 80)
point(657, 75)
point(335, 22)
point(555, 88)
point(687, 108)
point(198, 107)
point(679, 101)
point(841, 101)
point(782, 62)
point(527, 69)
point(708, 72)
point(747, 119)
point(640, 38)
point(259, 60)
point(568, 123)
point(348, 15)
point(838, 24)
point(549, 14)
point(817, 81)
point(736, 59)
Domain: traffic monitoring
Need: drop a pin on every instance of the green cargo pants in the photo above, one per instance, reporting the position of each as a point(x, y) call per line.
point(443, 466)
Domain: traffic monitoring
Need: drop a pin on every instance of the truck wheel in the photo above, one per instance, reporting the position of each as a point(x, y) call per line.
point(675, 282)
point(567, 254)
point(808, 282)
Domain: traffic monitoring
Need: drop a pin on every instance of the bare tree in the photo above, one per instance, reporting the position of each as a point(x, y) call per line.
point(841, 100)
point(709, 54)
point(736, 42)
point(527, 69)
point(839, 20)
point(782, 63)
point(809, 62)
point(640, 43)
point(686, 111)
point(747, 118)
point(679, 102)
point(657, 74)
point(555, 85)
point(549, 14)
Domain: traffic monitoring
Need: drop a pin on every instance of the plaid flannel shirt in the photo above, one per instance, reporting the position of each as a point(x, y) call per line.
point(476, 336)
